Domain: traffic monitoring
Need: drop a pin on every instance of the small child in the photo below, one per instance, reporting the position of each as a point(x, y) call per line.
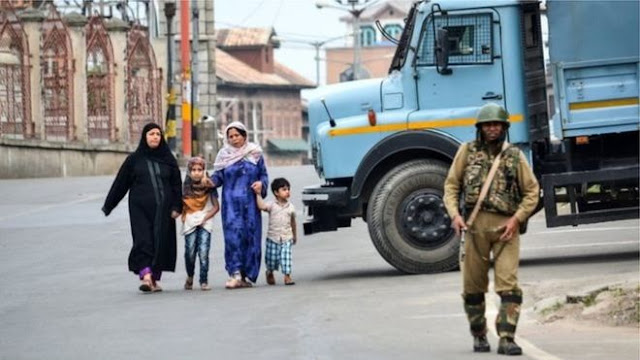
point(200, 205)
point(282, 230)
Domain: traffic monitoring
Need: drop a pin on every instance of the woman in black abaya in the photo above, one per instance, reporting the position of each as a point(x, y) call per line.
point(152, 178)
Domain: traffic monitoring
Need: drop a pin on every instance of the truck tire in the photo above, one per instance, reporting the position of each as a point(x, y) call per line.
point(408, 223)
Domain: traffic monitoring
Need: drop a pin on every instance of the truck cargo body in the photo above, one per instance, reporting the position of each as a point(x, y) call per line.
point(383, 146)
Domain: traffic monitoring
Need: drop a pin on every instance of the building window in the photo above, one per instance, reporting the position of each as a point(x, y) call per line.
point(259, 124)
point(394, 30)
point(241, 113)
point(367, 35)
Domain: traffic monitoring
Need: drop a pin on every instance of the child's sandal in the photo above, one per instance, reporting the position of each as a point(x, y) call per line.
point(188, 284)
point(271, 280)
point(288, 280)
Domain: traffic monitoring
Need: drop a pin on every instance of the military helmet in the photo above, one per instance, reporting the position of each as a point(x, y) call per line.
point(492, 112)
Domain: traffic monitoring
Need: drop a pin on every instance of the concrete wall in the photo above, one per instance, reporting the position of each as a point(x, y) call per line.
point(34, 158)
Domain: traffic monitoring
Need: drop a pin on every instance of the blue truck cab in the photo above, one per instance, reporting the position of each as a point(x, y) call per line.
point(384, 146)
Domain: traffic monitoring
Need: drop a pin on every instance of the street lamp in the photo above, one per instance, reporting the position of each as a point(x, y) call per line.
point(353, 8)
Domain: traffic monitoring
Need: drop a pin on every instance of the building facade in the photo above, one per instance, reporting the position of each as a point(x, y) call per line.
point(263, 94)
point(376, 51)
point(75, 91)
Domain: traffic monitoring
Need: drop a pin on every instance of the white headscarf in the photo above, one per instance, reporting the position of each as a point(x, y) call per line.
point(230, 155)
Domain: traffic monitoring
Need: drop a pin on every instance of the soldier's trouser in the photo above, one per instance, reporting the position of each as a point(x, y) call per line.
point(482, 239)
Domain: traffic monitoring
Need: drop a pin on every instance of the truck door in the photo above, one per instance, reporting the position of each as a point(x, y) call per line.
point(450, 99)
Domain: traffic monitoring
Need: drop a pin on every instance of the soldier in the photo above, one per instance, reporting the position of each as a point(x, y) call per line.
point(510, 201)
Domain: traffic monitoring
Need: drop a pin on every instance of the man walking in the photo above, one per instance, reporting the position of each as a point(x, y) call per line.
point(494, 214)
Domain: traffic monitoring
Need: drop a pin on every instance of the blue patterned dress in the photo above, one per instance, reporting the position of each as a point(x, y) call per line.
point(241, 218)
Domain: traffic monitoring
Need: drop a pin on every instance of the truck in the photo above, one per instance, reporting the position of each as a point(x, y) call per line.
point(384, 146)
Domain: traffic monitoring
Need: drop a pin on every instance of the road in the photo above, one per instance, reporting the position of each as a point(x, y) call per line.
point(66, 294)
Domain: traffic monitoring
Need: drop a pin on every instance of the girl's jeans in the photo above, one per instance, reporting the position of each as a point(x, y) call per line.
point(199, 240)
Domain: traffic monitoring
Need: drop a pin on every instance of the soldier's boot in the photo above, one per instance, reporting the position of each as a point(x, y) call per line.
point(474, 306)
point(508, 347)
point(480, 344)
point(507, 321)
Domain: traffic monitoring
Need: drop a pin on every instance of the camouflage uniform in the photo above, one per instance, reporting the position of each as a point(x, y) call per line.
point(514, 192)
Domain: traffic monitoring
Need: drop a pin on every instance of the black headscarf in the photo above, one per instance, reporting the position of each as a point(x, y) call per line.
point(162, 153)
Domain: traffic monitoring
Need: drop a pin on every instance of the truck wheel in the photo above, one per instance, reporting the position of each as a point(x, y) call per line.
point(408, 222)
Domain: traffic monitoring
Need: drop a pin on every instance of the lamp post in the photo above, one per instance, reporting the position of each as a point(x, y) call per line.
point(353, 8)
point(195, 72)
point(170, 12)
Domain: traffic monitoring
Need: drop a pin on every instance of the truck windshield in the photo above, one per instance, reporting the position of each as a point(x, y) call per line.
point(403, 45)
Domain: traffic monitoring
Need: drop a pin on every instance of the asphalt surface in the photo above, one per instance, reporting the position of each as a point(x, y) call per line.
point(65, 292)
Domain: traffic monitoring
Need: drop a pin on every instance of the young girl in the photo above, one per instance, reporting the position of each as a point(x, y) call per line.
point(200, 204)
point(282, 230)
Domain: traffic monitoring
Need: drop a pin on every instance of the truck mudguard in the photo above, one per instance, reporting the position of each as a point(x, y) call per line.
point(440, 145)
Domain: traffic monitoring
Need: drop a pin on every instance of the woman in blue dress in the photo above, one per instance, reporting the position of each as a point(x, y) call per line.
point(239, 168)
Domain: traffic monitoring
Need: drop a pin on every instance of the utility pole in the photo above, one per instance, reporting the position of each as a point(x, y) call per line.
point(195, 113)
point(355, 12)
point(170, 131)
point(356, 39)
point(186, 81)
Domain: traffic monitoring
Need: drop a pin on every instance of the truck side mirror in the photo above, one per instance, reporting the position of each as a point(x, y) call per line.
point(442, 52)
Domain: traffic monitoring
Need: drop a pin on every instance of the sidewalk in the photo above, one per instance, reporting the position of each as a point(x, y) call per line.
point(552, 329)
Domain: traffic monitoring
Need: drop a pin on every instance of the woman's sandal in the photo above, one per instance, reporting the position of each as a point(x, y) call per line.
point(237, 284)
point(146, 286)
point(233, 284)
point(205, 287)
point(156, 287)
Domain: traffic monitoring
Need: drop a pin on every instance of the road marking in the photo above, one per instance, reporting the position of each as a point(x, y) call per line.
point(587, 230)
point(52, 206)
point(528, 348)
point(608, 243)
point(437, 316)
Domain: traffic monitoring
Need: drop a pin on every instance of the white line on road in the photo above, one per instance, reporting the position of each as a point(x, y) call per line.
point(47, 207)
point(527, 348)
point(587, 230)
point(436, 316)
point(608, 243)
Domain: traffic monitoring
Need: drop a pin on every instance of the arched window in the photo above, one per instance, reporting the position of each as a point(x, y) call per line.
point(367, 35)
point(15, 104)
point(394, 30)
point(57, 75)
point(100, 79)
point(143, 83)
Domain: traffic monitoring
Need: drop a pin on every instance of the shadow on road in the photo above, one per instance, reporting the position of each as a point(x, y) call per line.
point(360, 274)
point(581, 259)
